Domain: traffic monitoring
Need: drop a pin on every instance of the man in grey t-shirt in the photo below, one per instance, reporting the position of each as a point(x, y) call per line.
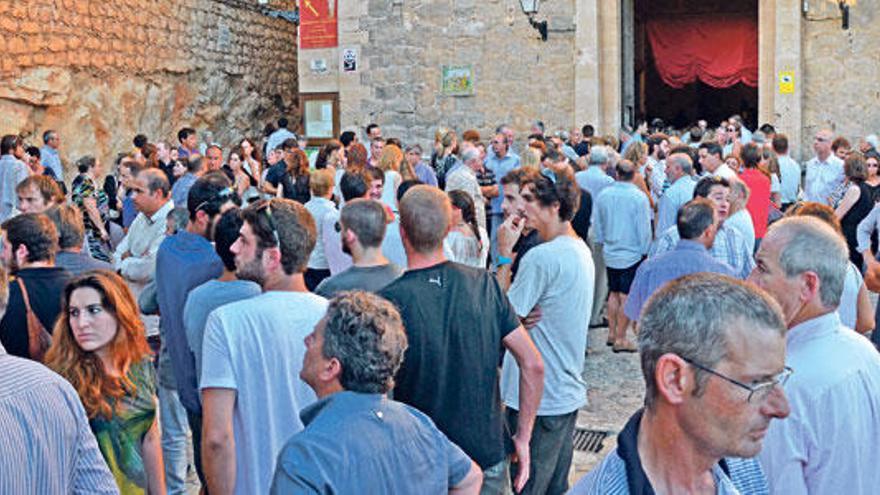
point(362, 228)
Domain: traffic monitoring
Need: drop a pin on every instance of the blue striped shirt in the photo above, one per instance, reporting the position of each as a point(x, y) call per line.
point(46, 445)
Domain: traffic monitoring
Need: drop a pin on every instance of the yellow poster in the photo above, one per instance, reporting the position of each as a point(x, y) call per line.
point(786, 82)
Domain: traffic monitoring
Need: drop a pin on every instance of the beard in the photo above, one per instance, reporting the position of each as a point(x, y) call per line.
point(252, 270)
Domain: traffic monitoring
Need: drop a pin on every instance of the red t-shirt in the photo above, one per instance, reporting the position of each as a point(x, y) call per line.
point(759, 199)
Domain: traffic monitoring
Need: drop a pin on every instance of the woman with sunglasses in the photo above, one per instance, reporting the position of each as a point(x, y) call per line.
point(100, 347)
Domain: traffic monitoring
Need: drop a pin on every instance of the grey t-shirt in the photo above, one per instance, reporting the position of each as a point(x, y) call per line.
point(370, 279)
point(206, 298)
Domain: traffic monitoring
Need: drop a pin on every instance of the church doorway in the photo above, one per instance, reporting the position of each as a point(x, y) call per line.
point(685, 60)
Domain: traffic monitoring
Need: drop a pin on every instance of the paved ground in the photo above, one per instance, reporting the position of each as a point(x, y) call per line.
point(616, 391)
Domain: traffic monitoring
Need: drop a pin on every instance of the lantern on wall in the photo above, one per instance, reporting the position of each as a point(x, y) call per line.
point(530, 8)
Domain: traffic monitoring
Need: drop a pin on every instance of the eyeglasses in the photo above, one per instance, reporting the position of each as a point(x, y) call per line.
point(222, 196)
point(267, 207)
point(759, 391)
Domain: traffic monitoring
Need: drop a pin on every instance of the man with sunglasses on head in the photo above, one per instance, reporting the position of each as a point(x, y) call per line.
point(185, 261)
point(829, 443)
point(713, 358)
point(253, 351)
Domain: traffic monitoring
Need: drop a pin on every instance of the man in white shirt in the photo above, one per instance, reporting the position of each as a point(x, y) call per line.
point(824, 171)
point(49, 154)
point(465, 179)
point(829, 443)
point(788, 169)
point(135, 257)
point(12, 172)
point(253, 351)
point(712, 162)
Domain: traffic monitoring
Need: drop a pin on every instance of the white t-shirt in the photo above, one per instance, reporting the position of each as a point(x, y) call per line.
point(558, 276)
point(849, 297)
point(256, 348)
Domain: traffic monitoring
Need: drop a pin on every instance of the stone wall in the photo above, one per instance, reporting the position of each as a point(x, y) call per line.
point(101, 71)
point(403, 44)
point(841, 71)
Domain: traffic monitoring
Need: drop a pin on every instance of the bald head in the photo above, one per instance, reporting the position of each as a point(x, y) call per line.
point(626, 170)
point(822, 144)
point(425, 214)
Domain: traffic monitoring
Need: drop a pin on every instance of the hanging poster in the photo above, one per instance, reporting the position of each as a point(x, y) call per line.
point(457, 80)
point(317, 24)
point(349, 60)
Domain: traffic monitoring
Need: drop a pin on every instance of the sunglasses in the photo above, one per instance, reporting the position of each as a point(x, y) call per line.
point(223, 196)
point(267, 208)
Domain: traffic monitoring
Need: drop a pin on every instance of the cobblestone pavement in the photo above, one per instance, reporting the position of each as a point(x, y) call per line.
point(616, 390)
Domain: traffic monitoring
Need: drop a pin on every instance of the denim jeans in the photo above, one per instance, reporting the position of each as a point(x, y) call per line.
point(172, 417)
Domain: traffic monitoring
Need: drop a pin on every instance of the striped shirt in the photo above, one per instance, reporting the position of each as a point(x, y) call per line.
point(729, 247)
point(46, 443)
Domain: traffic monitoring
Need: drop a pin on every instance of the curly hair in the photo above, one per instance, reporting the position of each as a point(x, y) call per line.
point(100, 392)
point(554, 187)
point(364, 332)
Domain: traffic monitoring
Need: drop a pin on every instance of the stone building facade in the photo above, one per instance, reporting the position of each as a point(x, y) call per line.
point(101, 71)
point(576, 76)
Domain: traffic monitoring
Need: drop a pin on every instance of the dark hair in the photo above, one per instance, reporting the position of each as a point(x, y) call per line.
point(366, 218)
point(194, 164)
point(47, 135)
point(85, 164)
point(554, 187)
point(406, 186)
point(294, 226)
point(705, 185)
point(33, 151)
point(767, 128)
point(751, 155)
point(288, 144)
point(140, 141)
point(353, 185)
point(347, 137)
point(155, 179)
point(465, 203)
point(9, 143)
point(209, 193)
point(68, 222)
point(840, 142)
point(370, 128)
point(694, 218)
point(712, 149)
point(626, 170)
point(185, 133)
point(282, 123)
point(225, 234)
point(36, 232)
point(375, 173)
point(325, 152)
point(588, 131)
point(780, 144)
point(513, 177)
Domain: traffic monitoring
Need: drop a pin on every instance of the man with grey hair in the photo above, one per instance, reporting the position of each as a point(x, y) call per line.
point(350, 361)
point(679, 170)
point(712, 353)
point(739, 218)
point(361, 227)
point(593, 180)
point(829, 445)
point(465, 179)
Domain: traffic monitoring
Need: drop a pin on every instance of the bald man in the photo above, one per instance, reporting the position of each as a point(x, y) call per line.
point(824, 171)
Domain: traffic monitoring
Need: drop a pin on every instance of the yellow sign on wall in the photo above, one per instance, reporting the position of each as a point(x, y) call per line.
point(786, 82)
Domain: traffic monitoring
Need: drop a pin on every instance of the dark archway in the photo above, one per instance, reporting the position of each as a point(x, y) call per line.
point(652, 98)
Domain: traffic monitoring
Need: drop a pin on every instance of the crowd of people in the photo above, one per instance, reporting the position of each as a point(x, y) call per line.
point(371, 318)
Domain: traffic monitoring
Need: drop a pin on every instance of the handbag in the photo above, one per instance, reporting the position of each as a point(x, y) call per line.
point(39, 339)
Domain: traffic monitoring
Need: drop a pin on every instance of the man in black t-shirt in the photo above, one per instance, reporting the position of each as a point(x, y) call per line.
point(458, 321)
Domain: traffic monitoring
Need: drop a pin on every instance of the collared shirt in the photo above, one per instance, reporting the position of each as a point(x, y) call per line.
point(621, 472)
point(180, 190)
point(142, 243)
point(281, 135)
point(426, 174)
point(791, 179)
point(658, 178)
point(12, 171)
point(50, 159)
point(623, 224)
point(741, 221)
point(687, 257)
point(387, 446)
point(593, 180)
point(680, 192)
point(465, 179)
point(724, 172)
point(828, 444)
point(822, 179)
point(321, 209)
point(500, 167)
point(48, 446)
point(730, 247)
point(866, 228)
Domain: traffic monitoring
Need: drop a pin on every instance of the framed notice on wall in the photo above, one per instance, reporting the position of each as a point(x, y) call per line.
point(457, 80)
point(317, 24)
point(320, 113)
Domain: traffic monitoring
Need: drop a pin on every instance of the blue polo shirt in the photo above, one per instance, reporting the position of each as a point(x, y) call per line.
point(500, 167)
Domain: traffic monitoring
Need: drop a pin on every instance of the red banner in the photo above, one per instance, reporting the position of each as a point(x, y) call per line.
point(317, 24)
point(721, 52)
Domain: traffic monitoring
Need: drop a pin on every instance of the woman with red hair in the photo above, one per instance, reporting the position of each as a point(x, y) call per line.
point(100, 347)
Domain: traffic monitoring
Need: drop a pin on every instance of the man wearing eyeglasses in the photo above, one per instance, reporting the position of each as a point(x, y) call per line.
point(829, 444)
point(824, 171)
point(712, 353)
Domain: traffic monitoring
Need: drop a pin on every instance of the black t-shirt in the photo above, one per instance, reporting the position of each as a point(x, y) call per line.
point(456, 317)
point(581, 220)
point(45, 287)
point(297, 190)
point(522, 246)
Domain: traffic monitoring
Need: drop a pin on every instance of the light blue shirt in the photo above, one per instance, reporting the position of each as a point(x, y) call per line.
point(278, 137)
point(729, 247)
point(822, 179)
point(50, 159)
point(828, 444)
point(500, 167)
point(593, 180)
point(791, 179)
point(679, 193)
point(12, 171)
point(623, 224)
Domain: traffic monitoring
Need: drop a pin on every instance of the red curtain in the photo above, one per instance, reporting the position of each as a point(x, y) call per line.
point(721, 52)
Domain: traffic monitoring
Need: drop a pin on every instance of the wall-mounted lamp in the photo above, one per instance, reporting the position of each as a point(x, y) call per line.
point(530, 8)
point(844, 13)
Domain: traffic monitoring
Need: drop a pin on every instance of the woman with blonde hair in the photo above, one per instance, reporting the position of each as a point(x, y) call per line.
point(100, 347)
point(638, 154)
point(389, 164)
